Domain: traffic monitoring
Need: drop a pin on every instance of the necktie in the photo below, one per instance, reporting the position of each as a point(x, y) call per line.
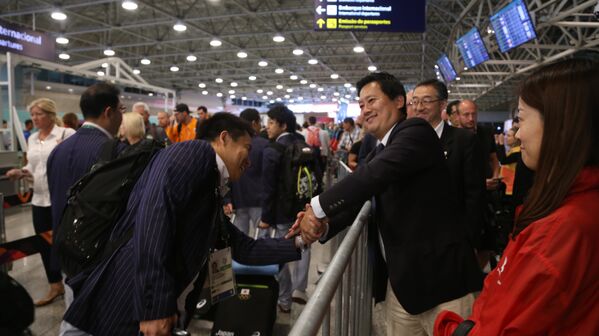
point(378, 149)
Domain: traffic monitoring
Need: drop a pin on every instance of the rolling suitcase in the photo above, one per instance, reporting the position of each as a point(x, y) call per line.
point(253, 310)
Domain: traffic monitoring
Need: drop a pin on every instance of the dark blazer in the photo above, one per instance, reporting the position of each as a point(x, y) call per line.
point(271, 162)
point(428, 256)
point(170, 211)
point(468, 182)
point(248, 191)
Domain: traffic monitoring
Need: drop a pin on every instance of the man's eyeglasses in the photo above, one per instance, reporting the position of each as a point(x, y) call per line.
point(426, 101)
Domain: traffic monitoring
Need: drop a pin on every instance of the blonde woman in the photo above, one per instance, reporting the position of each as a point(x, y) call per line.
point(132, 129)
point(40, 145)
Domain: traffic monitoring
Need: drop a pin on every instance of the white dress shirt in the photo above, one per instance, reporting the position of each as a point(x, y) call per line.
point(37, 158)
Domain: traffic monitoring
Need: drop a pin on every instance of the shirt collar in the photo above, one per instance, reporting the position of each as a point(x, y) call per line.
point(94, 125)
point(439, 128)
point(282, 135)
point(224, 175)
point(386, 137)
point(56, 131)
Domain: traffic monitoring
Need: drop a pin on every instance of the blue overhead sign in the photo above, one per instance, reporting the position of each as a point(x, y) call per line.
point(513, 26)
point(370, 15)
point(446, 68)
point(19, 40)
point(472, 48)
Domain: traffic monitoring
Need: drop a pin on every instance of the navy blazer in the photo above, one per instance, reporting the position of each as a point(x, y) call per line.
point(248, 191)
point(170, 211)
point(271, 163)
point(429, 259)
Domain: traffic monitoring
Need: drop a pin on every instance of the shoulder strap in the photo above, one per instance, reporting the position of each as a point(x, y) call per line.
point(463, 328)
point(108, 150)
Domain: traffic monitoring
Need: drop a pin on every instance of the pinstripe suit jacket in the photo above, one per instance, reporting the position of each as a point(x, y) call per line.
point(170, 211)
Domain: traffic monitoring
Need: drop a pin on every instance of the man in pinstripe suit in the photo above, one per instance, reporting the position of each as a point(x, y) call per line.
point(153, 281)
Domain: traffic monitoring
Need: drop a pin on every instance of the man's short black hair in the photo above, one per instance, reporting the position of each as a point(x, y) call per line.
point(203, 108)
point(312, 120)
point(96, 98)
point(449, 109)
point(250, 114)
point(282, 115)
point(438, 85)
point(390, 85)
point(349, 121)
point(211, 128)
point(182, 108)
point(28, 121)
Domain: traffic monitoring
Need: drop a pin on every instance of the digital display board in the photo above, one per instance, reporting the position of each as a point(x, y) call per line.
point(513, 26)
point(472, 48)
point(446, 68)
point(19, 40)
point(370, 15)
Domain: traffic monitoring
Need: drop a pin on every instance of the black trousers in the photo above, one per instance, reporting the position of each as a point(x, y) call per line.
point(42, 222)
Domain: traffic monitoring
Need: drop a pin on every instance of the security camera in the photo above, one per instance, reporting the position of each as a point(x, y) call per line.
point(596, 11)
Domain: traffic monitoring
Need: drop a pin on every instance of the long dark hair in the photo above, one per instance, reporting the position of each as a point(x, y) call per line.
point(567, 95)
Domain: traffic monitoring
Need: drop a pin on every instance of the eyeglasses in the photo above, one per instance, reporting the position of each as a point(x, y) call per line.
point(426, 101)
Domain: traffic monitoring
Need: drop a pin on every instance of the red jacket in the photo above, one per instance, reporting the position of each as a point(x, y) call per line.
point(547, 282)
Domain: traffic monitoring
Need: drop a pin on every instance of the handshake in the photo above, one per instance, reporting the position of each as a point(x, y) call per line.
point(308, 226)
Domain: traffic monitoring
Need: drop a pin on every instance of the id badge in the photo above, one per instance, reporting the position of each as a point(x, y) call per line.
point(222, 279)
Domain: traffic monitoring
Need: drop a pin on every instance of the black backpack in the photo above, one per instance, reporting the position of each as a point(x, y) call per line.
point(96, 202)
point(299, 176)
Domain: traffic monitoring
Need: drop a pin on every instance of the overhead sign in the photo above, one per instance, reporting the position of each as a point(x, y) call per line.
point(370, 15)
point(19, 40)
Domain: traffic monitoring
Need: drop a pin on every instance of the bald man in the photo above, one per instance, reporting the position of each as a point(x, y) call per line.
point(152, 131)
point(468, 117)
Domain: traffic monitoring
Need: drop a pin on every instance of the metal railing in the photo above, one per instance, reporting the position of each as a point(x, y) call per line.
point(348, 278)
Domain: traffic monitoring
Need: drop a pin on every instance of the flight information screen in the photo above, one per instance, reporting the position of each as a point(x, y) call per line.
point(446, 68)
point(472, 48)
point(513, 26)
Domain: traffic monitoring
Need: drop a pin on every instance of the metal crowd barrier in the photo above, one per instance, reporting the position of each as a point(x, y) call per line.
point(348, 278)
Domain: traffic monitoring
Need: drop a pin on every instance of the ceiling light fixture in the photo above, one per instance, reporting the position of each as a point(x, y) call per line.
point(218, 80)
point(334, 76)
point(358, 49)
point(269, 93)
point(279, 87)
point(145, 61)
point(312, 86)
point(263, 63)
point(298, 52)
point(180, 26)
point(313, 61)
point(259, 91)
point(233, 84)
point(242, 54)
point(136, 71)
point(58, 15)
point(204, 92)
point(231, 92)
point(216, 42)
point(201, 85)
point(219, 94)
point(347, 85)
point(100, 73)
point(62, 40)
point(244, 98)
point(48, 87)
point(109, 52)
point(104, 65)
point(371, 68)
point(174, 68)
point(191, 58)
point(64, 56)
point(289, 90)
point(252, 78)
point(264, 97)
point(278, 38)
point(320, 89)
point(293, 77)
point(129, 5)
point(303, 82)
point(279, 70)
point(232, 96)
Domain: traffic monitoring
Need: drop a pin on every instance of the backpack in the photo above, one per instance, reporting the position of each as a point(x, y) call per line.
point(299, 176)
point(96, 202)
point(313, 136)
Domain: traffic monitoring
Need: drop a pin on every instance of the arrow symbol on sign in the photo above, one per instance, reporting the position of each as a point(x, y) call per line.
point(320, 22)
point(319, 10)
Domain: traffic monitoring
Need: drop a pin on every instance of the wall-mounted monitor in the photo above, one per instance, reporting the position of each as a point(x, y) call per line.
point(513, 26)
point(446, 68)
point(472, 48)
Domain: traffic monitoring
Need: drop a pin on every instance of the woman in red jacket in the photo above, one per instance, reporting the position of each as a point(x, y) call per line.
point(547, 281)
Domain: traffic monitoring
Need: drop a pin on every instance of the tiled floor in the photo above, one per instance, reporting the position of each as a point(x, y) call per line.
point(29, 272)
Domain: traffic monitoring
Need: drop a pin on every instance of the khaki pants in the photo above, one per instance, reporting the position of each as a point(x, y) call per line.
point(402, 323)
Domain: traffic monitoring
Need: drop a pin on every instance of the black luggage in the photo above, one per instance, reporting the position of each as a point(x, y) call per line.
point(253, 311)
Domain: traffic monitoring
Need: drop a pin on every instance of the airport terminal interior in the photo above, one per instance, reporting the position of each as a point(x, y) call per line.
point(184, 62)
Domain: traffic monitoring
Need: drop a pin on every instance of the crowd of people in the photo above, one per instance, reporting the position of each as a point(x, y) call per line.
point(475, 233)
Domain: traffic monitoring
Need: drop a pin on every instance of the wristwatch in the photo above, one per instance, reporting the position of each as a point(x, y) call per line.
point(300, 244)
